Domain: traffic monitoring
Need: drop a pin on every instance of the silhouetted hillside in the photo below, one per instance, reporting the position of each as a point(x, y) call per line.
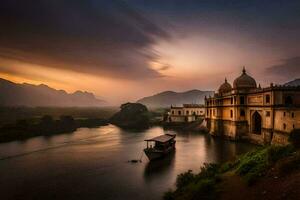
point(132, 116)
point(295, 82)
point(167, 98)
point(13, 94)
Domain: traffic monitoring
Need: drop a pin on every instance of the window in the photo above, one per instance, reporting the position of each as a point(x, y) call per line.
point(288, 100)
point(284, 126)
point(231, 113)
point(268, 113)
point(214, 112)
point(284, 114)
point(242, 113)
point(293, 126)
point(179, 112)
point(172, 112)
point(187, 112)
point(231, 100)
point(293, 115)
point(210, 112)
point(242, 100)
point(267, 98)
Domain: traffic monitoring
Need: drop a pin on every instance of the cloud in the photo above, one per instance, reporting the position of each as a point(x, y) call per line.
point(106, 38)
point(288, 68)
point(165, 67)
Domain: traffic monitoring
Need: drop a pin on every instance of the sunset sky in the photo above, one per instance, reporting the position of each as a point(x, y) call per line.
point(125, 50)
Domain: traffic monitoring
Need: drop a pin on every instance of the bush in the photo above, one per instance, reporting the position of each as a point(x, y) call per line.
point(169, 195)
point(227, 166)
point(209, 170)
point(254, 164)
point(294, 138)
point(277, 152)
point(184, 179)
point(195, 186)
point(203, 189)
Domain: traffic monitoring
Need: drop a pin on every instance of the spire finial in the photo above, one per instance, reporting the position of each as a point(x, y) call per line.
point(225, 80)
point(244, 70)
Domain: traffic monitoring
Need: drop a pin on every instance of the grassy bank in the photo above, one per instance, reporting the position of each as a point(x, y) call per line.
point(250, 168)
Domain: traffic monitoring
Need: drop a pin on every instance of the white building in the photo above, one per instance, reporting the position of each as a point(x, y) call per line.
point(186, 113)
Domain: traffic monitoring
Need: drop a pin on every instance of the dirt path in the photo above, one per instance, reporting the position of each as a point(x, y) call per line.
point(272, 187)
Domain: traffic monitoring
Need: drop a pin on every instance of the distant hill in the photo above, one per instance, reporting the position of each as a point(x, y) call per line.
point(295, 82)
point(167, 98)
point(13, 94)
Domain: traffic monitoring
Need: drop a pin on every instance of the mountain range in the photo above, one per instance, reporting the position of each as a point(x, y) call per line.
point(167, 98)
point(14, 94)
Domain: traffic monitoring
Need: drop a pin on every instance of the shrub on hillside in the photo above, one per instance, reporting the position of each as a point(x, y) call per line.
point(254, 164)
point(194, 186)
point(294, 138)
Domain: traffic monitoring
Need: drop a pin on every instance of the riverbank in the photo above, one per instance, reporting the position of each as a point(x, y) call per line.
point(196, 126)
point(47, 125)
point(270, 172)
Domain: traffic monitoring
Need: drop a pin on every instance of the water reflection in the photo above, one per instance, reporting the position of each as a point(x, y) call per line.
point(158, 167)
point(92, 164)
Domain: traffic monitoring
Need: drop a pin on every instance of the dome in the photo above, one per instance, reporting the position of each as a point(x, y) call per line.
point(244, 81)
point(225, 87)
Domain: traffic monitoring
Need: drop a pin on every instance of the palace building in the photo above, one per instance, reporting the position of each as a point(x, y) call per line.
point(247, 111)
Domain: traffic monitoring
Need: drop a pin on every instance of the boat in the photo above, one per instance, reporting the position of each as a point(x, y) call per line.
point(160, 146)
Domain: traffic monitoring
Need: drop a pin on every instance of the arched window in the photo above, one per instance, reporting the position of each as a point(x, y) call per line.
point(267, 98)
point(242, 113)
point(231, 113)
point(288, 100)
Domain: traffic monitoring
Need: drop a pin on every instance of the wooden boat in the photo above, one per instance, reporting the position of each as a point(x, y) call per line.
point(160, 146)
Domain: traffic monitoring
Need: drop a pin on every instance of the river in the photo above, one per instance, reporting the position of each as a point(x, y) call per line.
point(93, 164)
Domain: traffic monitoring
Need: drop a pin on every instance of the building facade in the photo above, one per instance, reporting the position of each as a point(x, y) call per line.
point(247, 111)
point(186, 113)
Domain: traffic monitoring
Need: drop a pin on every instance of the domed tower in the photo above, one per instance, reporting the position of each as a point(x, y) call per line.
point(225, 87)
point(244, 82)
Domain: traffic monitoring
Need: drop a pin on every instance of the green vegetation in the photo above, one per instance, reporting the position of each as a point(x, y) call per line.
point(132, 116)
point(9, 115)
point(23, 129)
point(255, 164)
point(193, 186)
point(250, 166)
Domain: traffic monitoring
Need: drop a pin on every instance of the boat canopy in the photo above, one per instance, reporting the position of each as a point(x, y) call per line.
point(162, 138)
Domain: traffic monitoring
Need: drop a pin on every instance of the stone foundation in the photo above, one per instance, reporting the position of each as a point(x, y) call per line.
point(280, 138)
point(240, 131)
